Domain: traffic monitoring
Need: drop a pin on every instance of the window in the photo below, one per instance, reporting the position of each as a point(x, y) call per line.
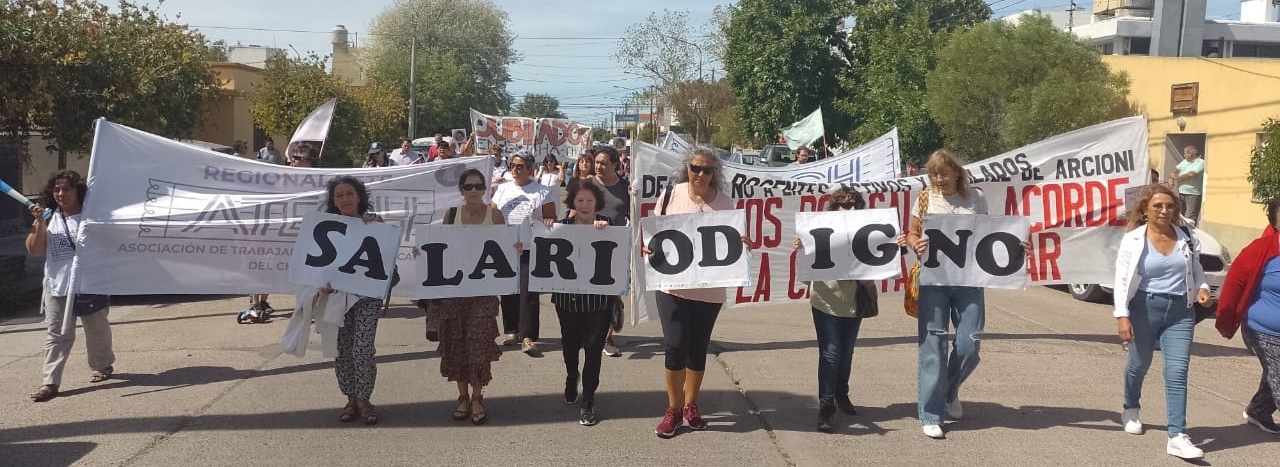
point(1184, 98)
point(1108, 48)
point(1139, 46)
point(1256, 50)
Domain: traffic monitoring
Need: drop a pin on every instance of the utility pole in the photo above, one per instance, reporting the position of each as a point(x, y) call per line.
point(413, 86)
point(1071, 17)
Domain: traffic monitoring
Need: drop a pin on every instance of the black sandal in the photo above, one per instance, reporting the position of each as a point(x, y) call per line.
point(463, 410)
point(44, 393)
point(478, 417)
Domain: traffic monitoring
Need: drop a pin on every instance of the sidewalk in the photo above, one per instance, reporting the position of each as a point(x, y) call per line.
point(194, 388)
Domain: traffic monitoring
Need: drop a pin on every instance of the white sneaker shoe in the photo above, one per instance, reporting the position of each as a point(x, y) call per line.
point(935, 432)
point(612, 350)
point(954, 410)
point(1181, 446)
point(1129, 418)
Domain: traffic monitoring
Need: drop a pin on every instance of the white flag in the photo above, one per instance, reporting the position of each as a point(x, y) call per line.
point(673, 142)
point(316, 126)
point(805, 131)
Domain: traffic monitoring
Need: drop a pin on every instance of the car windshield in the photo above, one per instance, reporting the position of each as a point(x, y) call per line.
point(783, 154)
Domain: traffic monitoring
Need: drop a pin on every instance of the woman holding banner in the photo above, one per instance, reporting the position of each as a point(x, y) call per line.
point(584, 318)
point(467, 326)
point(54, 238)
point(522, 202)
point(355, 366)
point(940, 375)
point(688, 315)
point(838, 310)
point(1157, 273)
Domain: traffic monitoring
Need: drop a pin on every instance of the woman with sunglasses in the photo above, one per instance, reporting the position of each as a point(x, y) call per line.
point(551, 173)
point(688, 315)
point(522, 202)
point(467, 327)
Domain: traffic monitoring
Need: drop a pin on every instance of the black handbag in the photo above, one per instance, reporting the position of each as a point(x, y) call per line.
point(83, 304)
point(868, 300)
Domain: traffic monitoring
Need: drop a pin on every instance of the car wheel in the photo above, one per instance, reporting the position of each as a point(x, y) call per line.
point(1087, 292)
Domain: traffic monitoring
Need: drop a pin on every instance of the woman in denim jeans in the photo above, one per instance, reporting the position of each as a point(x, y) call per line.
point(1157, 271)
point(940, 375)
point(837, 323)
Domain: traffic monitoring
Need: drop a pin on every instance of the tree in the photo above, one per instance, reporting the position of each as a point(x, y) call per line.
point(1264, 163)
point(784, 59)
point(729, 130)
point(893, 46)
point(463, 49)
point(999, 86)
point(698, 103)
point(539, 106)
point(601, 134)
point(77, 60)
point(660, 48)
point(216, 51)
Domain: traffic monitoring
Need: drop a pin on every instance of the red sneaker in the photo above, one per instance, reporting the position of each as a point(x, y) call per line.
point(694, 418)
point(670, 423)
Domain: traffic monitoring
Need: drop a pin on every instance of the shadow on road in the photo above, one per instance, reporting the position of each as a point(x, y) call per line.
point(45, 454)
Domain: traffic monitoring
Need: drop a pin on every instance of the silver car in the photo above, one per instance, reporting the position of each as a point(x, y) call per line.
point(1213, 257)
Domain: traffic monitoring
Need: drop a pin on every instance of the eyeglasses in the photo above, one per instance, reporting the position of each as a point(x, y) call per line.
point(472, 186)
point(701, 169)
point(845, 205)
point(517, 166)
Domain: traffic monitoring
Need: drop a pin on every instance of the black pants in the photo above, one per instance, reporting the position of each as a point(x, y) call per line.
point(584, 331)
point(520, 311)
point(686, 330)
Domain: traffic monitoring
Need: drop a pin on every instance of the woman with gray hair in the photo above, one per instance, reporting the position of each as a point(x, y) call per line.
point(688, 315)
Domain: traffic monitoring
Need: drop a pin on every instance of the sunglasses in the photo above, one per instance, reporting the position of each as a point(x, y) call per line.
point(701, 169)
point(472, 186)
point(517, 166)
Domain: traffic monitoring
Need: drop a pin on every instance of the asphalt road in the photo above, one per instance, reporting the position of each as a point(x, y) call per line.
point(193, 388)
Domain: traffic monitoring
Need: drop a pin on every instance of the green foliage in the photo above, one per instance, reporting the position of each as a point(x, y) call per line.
point(1264, 163)
point(893, 46)
point(293, 87)
point(729, 130)
point(216, 51)
point(539, 106)
point(698, 103)
point(69, 63)
point(601, 134)
point(784, 59)
point(463, 51)
point(999, 86)
point(661, 48)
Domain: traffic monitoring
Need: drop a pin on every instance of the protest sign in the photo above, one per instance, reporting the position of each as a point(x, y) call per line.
point(694, 251)
point(975, 251)
point(841, 245)
point(345, 253)
point(167, 218)
point(465, 261)
point(580, 259)
point(563, 138)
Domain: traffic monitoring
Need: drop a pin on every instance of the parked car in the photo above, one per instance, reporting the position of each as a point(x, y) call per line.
point(1213, 257)
point(775, 155)
point(726, 156)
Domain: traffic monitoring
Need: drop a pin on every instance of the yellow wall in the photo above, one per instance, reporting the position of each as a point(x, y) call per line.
point(1237, 95)
point(228, 117)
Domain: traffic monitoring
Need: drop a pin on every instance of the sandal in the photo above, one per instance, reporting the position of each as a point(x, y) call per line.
point(478, 416)
point(463, 410)
point(368, 414)
point(44, 393)
point(103, 375)
point(348, 412)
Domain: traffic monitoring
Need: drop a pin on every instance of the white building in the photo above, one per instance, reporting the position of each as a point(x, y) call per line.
point(252, 55)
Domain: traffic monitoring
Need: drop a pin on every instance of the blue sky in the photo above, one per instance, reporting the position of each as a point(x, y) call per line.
point(567, 45)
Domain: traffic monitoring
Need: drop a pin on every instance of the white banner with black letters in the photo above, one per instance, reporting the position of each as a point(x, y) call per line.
point(839, 245)
point(465, 261)
point(345, 253)
point(698, 250)
point(975, 251)
point(580, 259)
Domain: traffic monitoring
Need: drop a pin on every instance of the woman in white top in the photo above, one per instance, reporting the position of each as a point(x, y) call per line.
point(522, 202)
point(940, 375)
point(54, 238)
point(1157, 273)
point(551, 173)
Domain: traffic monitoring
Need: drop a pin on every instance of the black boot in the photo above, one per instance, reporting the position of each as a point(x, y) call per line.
point(846, 405)
point(587, 411)
point(825, 413)
point(571, 389)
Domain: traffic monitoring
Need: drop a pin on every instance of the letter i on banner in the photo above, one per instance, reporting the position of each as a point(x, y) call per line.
point(699, 250)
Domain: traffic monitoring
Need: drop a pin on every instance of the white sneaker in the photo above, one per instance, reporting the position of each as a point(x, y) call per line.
point(935, 432)
point(954, 410)
point(612, 350)
point(1181, 446)
point(1129, 418)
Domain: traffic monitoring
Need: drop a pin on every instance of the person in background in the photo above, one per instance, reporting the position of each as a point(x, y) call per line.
point(54, 238)
point(468, 147)
point(585, 168)
point(913, 167)
point(617, 202)
point(434, 152)
point(522, 202)
point(802, 155)
point(689, 315)
point(624, 163)
point(304, 156)
point(501, 172)
point(403, 155)
point(377, 156)
point(584, 318)
point(1157, 277)
point(550, 173)
point(834, 305)
point(270, 154)
point(1188, 177)
point(240, 148)
point(1250, 296)
point(467, 327)
point(445, 151)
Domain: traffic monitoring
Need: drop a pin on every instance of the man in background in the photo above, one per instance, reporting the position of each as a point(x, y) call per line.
point(269, 153)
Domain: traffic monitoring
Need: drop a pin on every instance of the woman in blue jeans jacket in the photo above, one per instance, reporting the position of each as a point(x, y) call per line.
point(837, 322)
point(1157, 272)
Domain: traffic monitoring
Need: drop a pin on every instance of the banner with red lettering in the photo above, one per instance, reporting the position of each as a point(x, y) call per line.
point(563, 138)
point(1070, 187)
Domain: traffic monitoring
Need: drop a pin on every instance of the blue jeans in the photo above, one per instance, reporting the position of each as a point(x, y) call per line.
point(940, 376)
point(1166, 319)
point(836, 336)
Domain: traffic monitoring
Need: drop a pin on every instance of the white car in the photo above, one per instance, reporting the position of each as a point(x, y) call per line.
point(1213, 257)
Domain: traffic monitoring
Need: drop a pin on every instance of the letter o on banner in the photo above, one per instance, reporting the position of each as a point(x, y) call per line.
point(986, 258)
point(658, 258)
